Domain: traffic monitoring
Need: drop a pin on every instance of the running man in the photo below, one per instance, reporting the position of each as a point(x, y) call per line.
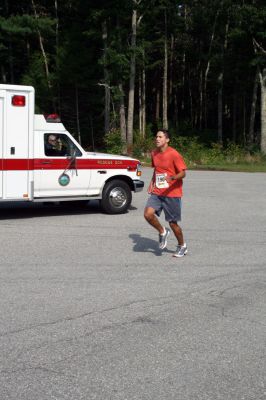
point(166, 191)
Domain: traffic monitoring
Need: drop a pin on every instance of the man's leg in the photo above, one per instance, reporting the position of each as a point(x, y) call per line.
point(149, 215)
point(178, 232)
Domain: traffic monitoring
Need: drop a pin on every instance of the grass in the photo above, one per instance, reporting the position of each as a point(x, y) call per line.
point(232, 167)
point(239, 167)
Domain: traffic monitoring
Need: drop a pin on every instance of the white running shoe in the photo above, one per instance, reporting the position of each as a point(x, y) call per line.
point(163, 239)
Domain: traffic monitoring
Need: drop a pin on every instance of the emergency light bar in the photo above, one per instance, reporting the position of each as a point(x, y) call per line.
point(52, 118)
point(18, 100)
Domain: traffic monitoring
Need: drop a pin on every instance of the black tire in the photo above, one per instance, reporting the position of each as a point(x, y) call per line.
point(116, 197)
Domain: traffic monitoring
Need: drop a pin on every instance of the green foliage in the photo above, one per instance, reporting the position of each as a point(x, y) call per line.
point(35, 76)
point(232, 156)
point(189, 147)
point(113, 142)
point(142, 145)
point(198, 155)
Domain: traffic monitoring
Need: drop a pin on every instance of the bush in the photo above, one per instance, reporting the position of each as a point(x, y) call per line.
point(194, 152)
point(190, 148)
point(213, 155)
point(234, 153)
point(142, 146)
point(113, 142)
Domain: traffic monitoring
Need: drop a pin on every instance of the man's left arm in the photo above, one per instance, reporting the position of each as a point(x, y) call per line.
point(178, 176)
point(180, 168)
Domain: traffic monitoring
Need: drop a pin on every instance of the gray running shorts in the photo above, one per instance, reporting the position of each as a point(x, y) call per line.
point(170, 205)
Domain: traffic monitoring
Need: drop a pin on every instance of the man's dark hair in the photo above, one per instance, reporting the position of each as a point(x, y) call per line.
point(166, 133)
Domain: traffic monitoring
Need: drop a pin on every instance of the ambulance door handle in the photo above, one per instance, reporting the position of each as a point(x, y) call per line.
point(46, 162)
point(102, 172)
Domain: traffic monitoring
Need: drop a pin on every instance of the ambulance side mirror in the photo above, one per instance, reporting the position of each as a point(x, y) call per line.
point(73, 153)
point(72, 159)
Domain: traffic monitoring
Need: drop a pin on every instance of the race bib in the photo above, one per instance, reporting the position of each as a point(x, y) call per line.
point(161, 182)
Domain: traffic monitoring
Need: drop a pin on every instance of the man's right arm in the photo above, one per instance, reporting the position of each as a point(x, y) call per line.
point(152, 183)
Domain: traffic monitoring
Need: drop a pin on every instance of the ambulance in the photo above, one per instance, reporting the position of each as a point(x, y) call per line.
point(42, 162)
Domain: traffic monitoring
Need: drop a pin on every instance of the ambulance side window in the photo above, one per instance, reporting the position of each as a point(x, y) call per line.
point(59, 145)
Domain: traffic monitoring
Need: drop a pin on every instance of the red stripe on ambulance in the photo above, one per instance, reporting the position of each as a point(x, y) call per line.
point(54, 163)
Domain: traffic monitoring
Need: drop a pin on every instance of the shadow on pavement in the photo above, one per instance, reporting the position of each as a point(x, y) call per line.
point(18, 210)
point(146, 245)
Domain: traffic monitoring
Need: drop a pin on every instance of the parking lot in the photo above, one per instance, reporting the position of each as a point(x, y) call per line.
point(90, 309)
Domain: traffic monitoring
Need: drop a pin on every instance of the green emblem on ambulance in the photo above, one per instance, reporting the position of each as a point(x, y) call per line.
point(64, 180)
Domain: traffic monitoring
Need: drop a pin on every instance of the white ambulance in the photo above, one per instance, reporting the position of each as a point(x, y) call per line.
point(41, 161)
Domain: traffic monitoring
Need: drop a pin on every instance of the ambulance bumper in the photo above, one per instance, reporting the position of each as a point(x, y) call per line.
point(138, 185)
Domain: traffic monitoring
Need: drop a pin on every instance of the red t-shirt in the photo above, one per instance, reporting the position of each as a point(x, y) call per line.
point(167, 163)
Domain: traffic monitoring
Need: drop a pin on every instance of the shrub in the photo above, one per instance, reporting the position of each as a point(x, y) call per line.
point(234, 153)
point(142, 145)
point(113, 142)
point(190, 148)
point(213, 155)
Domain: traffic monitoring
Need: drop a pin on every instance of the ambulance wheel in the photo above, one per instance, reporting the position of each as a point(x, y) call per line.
point(116, 197)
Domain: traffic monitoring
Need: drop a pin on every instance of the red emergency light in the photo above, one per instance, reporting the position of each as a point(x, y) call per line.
point(18, 100)
point(52, 118)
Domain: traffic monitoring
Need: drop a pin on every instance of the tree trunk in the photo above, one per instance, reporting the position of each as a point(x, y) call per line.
point(45, 59)
point(142, 98)
point(208, 69)
point(144, 102)
point(140, 106)
point(234, 115)
point(183, 81)
point(184, 62)
point(157, 107)
point(122, 114)
point(190, 100)
point(220, 88)
point(165, 77)
point(250, 138)
point(171, 68)
point(220, 108)
point(130, 114)
point(201, 100)
point(106, 81)
point(77, 115)
point(56, 30)
point(122, 110)
point(57, 53)
point(262, 76)
point(176, 112)
point(244, 119)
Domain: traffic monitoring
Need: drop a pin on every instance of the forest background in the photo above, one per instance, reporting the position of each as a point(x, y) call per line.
point(117, 70)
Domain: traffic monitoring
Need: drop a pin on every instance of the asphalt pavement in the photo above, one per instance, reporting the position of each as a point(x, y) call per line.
point(91, 309)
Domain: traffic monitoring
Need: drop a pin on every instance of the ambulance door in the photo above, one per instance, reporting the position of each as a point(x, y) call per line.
point(61, 171)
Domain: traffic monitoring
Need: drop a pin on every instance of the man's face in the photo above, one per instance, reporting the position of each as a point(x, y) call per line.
point(161, 140)
point(52, 140)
